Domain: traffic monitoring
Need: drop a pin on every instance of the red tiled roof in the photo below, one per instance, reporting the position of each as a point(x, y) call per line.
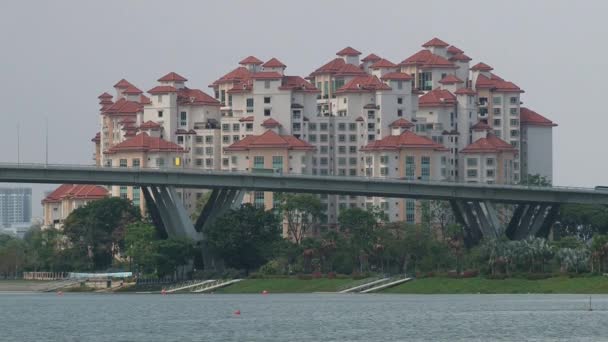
point(82, 192)
point(461, 57)
point(122, 84)
point(127, 121)
point(145, 143)
point(104, 96)
point(132, 90)
point(164, 89)
point(454, 50)
point(266, 75)
point(96, 138)
point(123, 106)
point(236, 75)
point(401, 123)
point(297, 83)
point(407, 139)
point(481, 126)
point(435, 42)
point(490, 144)
point(348, 51)
point(363, 84)
point(450, 79)
point(274, 63)
point(426, 59)
point(149, 125)
point(172, 77)
point(181, 131)
point(383, 63)
point(250, 60)
point(371, 58)
point(359, 118)
point(106, 102)
point(269, 123)
point(187, 96)
point(350, 70)
point(481, 66)
point(396, 76)
point(465, 91)
point(496, 84)
point(437, 98)
point(532, 118)
point(246, 119)
point(330, 67)
point(270, 139)
point(143, 99)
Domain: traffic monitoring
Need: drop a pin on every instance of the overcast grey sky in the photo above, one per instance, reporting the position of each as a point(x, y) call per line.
point(56, 57)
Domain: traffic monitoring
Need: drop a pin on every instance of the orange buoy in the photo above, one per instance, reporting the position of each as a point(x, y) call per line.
point(264, 292)
point(60, 293)
point(237, 312)
point(163, 292)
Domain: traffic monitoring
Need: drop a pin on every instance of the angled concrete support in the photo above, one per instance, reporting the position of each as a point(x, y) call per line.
point(493, 217)
point(548, 222)
point(515, 219)
point(464, 214)
point(154, 212)
point(219, 202)
point(539, 218)
point(523, 229)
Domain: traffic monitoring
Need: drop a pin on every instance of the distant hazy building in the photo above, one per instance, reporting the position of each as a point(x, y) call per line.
point(15, 206)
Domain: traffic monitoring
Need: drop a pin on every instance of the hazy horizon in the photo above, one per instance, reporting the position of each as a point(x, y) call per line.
point(59, 56)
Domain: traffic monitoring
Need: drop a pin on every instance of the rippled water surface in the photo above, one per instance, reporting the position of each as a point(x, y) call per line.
point(306, 317)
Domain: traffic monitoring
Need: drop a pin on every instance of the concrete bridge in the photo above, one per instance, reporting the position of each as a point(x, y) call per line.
point(473, 204)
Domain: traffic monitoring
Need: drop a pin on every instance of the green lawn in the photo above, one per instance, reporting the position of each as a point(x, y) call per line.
point(582, 285)
point(285, 285)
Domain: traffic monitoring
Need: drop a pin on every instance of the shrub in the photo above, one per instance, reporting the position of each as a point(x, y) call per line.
point(317, 275)
point(331, 275)
point(304, 276)
point(470, 274)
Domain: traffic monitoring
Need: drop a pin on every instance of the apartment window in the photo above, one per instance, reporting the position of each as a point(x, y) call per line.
point(490, 173)
point(371, 137)
point(297, 114)
point(514, 100)
point(209, 162)
point(225, 162)
point(513, 111)
point(323, 161)
point(514, 122)
point(496, 111)
point(341, 161)
point(342, 149)
point(183, 119)
point(249, 127)
point(352, 126)
point(399, 84)
point(226, 139)
point(344, 100)
point(472, 162)
point(136, 195)
point(472, 173)
point(384, 171)
point(229, 99)
point(209, 139)
point(410, 211)
point(490, 161)
point(277, 162)
point(160, 162)
point(312, 126)
point(209, 150)
point(352, 149)
point(515, 143)
point(352, 138)
point(160, 113)
point(258, 162)
point(123, 192)
point(496, 100)
point(234, 159)
point(425, 80)
point(324, 138)
point(199, 139)
point(180, 140)
point(323, 126)
point(371, 114)
point(249, 102)
point(341, 126)
point(312, 138)
point(352, 172)
point(425, 167)
point(383, 159)
point(267, 84)
point(410, 167)
point(352, 161)
point(296, 126)
point(497, 133)
point(267, 112)
point(236, 127)
point(122, 163)
point(135, 162)
point(223, 97)
point(324, 149)
point(496, 122)
point(258, 199)
point(267, 99)
point(341, 138)
point(198, 162)
point(399, 112)
point(226, 127)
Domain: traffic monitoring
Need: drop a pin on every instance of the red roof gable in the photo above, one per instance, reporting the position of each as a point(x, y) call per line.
point(270, 139)
point(132, 90)
point(350, 70)
point(461, 57)
point(96, 138)
point(435, 42)
point(237, 75)
point(401, 123)
point(172, 77)
point(383, 63)
point(122, 84)
point(187, 96)
point(246, 119)
point(363, 84)
point(149, 125)
point(250, 60)
point(82, 192)
point(123, 106)
point(266, 75)
point(270, 123)
point(330, 67)
point(348, 51)
point(143, 99)
point(437, 98)
point(482, 67)
point(454, 50)
point(427, 59)
point(481, 126)
point(465, 91)
point(407, 139)
point(497, 84)
point(164, 89)
point(274, 63)
point(145, 143)
point(104, 96)
point(532, 118)
point(450, 79)
point(297, 83)
point(490, 144)
point(371, 58)
point(396, 76)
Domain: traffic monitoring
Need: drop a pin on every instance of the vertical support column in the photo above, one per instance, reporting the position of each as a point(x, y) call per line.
point(154, 212)
point(484, 223)
point(163, 212)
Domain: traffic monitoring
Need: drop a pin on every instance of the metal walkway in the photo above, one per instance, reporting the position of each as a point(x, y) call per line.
point(387, 285)
point(214, 285)
point(365, 285)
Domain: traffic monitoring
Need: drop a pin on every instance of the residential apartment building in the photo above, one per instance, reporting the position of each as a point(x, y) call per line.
point(15, 206)
point(61, 202)
point(430, 117)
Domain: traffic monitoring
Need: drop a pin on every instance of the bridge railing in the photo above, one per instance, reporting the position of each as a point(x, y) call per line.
point(192, 170)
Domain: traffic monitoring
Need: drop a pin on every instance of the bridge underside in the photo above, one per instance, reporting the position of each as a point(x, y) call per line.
point(481, 219)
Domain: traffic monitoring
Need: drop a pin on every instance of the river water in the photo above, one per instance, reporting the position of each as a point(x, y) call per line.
point(302, 317)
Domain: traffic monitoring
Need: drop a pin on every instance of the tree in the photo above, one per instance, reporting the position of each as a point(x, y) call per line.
point(535, 180)
point(96, 230)
point(582, 221)
point(302, 212)
point(362, 227)
point(172, 254)
point(244, 237)
point(141, 246)
point(12, 256)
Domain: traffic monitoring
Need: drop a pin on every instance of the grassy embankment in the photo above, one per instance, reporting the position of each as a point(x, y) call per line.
point(286, 285)
point(578, 285)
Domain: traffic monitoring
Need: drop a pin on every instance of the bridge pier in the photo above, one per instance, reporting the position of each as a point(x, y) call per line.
point(480, 219)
